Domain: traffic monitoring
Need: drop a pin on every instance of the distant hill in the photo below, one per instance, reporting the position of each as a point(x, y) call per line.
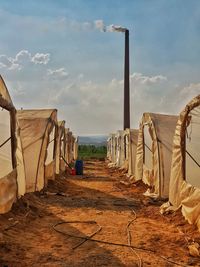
point(96, 140)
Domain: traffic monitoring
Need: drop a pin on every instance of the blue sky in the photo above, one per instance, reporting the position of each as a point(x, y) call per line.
point(53, 55)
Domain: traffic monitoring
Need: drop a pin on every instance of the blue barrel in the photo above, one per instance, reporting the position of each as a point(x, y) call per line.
point(79, 167)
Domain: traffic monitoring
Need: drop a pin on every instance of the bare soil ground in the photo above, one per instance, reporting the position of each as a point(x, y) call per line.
point(27, 237)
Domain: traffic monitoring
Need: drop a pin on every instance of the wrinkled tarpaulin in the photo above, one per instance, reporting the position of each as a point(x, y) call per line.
point(61, 148)
point(113, 148)
point(35, 127)
point(8, 175)
point(161, 130)
point(120, 157)
point(132, 140)
point(182, 193)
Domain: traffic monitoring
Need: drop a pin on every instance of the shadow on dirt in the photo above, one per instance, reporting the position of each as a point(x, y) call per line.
point(34, 242)
point(77, 196)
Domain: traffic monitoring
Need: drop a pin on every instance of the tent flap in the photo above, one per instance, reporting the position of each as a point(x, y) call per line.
point(182, 193)
point(8, 190)
point(153, 158)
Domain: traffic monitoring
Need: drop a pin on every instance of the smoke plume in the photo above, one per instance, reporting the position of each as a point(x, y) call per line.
point(99, 24)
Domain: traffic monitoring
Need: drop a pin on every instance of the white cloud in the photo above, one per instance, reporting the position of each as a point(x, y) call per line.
point(5, 62)
point(187, 93)
point(68, 94)
point(92, 107)
point(191, 90)
point(102, 104)
point(99, 25)
point(87, 26)
point(40, 58)
point(147, 80)
point(23, 58)
point(8, 63)
point(58, 73)
point(107, 99)
point(18, 90)
point(80, 76)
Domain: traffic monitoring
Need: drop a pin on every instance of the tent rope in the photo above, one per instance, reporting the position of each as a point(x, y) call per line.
point(185, 151)
point(5, 142)
point(193, 158)
point(52, 140)
point(148, 147)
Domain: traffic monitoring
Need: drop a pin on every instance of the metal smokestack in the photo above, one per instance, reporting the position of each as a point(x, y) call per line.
point(126, 83)
point(115, 28)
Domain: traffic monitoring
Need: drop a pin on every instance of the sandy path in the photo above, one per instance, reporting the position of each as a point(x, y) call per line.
point(31, 240)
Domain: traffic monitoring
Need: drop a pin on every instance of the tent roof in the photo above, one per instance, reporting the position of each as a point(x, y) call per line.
point(33, 124)
point(131, 131)
point(36, 113)
point(66, 130)
point(61, 124)
point(163, 124)
point(61, 128)
point(182, 193)
point(190, 106)
point(158, 116)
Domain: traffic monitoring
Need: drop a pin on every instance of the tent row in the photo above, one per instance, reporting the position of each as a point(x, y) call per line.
point(165, 154)
point(34, 147)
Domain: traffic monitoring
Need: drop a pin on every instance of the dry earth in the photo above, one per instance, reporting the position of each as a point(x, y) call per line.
point(27, 236)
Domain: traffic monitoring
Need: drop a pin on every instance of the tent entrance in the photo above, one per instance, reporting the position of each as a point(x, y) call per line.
point(148, 142)
point(50, 165)
point(192, 153)
point(62, 147)
point(62, 153)
point(126, 147)
point(147, 157)
point(50, 147)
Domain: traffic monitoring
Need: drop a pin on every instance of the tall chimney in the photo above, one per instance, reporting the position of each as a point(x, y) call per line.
point(126, 83)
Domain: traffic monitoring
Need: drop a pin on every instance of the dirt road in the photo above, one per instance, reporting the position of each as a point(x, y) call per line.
point(27, 236)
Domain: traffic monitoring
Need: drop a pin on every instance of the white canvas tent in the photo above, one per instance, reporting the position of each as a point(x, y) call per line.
point(109, 148)
point(76, 148)
point(69, 155)
point(185, 170)
point(120, 157)
point(36, 148)
point(8, 175)
point(154, 152)
point(73, 147)
point(61, 148)
point(131, 148)
point(112, 150)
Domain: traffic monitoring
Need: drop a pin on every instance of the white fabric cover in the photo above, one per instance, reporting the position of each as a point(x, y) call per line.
point(132, 135)
point(120, 157)
point(60, 148)
point(161, 130)
point(6, 149)
point(76, 149)
point(182, 193)
point(34, 129)
point(8, 177)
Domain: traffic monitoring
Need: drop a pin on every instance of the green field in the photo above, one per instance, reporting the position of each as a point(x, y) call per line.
point(91, 152)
